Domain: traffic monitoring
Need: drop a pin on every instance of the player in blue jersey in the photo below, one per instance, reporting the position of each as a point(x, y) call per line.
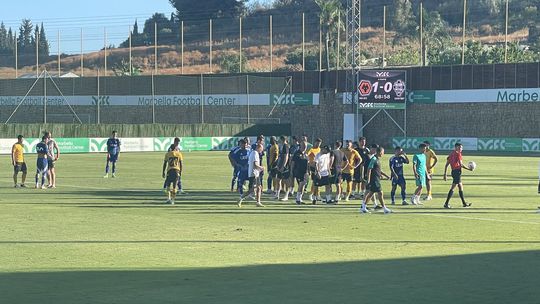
point(236, 170)
point(241, 160)
point(42, 151)
point(113, 152)
point(398, 179)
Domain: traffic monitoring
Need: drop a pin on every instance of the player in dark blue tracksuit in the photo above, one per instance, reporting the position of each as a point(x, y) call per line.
point(396, 167)
point(236, 170)
point(42, 165)
point(113, 152)
point(241, 157)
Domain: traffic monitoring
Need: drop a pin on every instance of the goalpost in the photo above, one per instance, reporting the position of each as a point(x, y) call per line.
point(45, 77)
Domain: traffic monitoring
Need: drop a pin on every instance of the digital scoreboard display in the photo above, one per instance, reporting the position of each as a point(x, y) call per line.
point(382, 89)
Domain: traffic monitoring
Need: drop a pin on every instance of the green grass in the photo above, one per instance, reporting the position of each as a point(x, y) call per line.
point(114, 241)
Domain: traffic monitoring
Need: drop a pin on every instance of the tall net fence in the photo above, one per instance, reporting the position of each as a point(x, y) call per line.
point(142, 100)
point(394, 33)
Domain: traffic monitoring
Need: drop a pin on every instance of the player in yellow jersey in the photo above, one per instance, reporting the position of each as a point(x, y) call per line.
point(17, 160)
point(354, 160)
point(312, 165)
point(431, 162)
point(173, 165)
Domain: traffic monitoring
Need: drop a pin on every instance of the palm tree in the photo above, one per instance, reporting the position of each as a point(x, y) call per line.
point(329, 21)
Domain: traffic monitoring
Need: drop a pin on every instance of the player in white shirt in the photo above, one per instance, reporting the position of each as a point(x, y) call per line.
point(324, 162)
point(254, 171)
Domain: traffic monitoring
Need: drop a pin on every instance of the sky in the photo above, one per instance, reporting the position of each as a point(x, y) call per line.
point(94, 16)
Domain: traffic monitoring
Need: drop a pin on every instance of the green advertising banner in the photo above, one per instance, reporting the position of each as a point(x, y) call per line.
point(195, 143)
point(73, 145)
point(531, 145)
point(500, 144)
point(473, 143)
point(422, 97)
point(298, 99)
point(410, 142)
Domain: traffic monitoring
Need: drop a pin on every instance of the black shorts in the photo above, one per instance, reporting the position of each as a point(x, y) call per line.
point(456, 176)
point(336, 179)
point(375, 186)
point(20, 167)
point(346, 177)
point(323, 181)
point(285, 174)
point(50, 163)
point(357, 177)
point(254, 182)
point(364, 175)
point(300, 177)
point(172, 179)
point(273, 171)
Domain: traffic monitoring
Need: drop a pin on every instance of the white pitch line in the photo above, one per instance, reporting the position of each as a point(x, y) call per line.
point(483, 219)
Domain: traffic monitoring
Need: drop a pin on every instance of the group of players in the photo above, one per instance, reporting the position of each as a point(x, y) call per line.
point(299, 163)
point(48, 154)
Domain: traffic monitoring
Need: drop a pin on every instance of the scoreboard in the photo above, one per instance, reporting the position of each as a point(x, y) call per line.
point(382, 89)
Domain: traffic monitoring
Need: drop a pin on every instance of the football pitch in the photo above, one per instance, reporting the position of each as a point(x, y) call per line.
point(95, 240)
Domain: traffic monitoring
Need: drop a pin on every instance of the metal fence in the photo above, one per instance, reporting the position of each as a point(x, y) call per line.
point(266, 42)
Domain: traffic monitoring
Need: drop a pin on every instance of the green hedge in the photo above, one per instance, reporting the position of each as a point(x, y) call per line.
point(142, 130)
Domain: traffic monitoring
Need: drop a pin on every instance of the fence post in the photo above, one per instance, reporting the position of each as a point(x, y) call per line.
point(271, 45)
point(338, 41)
point(247, 92)
point(384, 38)
point(422, 58)
point(182, 45)
point(464, 28)
point(155, 49)
point(105, 50)
point(303, 42)
point(240, 67)
point(82, 55)
point(37, 54)
point(130, 54)
point(153, 100)
point(210, 45)
point(16, 57)
point(320, 45)
point(506, 35)
point(202, 98)
point(98, 102)
point(44, 96)
point(59, 57)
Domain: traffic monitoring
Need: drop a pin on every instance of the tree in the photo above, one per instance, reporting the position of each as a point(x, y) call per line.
point(3, 39)
point(43, 45)
point(122, 69)
point(25, 38)
point(403, 19)
point(231, 63)
point(197, 10)
point(165, 29)
point(329, 21)
point(437, 41)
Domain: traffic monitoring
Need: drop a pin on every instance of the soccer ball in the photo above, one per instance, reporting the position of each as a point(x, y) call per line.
point(472, 165)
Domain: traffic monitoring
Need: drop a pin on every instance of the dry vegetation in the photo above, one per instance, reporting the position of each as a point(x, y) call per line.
point(257, 53)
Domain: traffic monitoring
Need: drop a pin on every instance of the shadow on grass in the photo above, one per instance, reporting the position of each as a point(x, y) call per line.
point(510, 277)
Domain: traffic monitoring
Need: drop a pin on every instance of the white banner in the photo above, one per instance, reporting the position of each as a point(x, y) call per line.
point(491, 95)
point(164, 100)
point(6, 144)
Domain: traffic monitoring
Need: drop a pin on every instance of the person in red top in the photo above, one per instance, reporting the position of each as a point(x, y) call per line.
point(455, 160)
